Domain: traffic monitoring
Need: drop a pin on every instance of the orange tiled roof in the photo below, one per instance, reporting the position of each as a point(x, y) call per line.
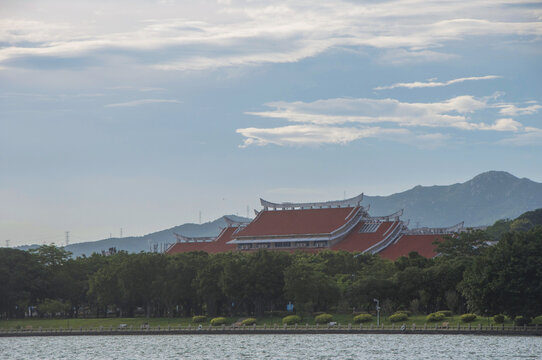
point(423, 244)
point(356, 241)
point(297, 222)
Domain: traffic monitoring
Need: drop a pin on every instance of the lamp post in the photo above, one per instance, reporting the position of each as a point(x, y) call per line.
point(377, 311)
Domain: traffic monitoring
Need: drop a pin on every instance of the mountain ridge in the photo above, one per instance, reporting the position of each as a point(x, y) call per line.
point(482, 200)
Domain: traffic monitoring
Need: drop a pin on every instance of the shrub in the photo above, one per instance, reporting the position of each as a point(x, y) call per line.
point(318, 313)
point(218, 321)
point(249, 321)
point(323, 318)
point(407, 312)
point(498, 319)
point(521, 320)
point(362, 318)
point(447, 313)
point(199, 318)
point(467, 318)
point(434, 317)
point(537, 320)
point(398, 317)
point(291, 319)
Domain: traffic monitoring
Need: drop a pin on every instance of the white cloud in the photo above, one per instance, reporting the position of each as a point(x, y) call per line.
point(214, 35)
point(142, 102)
point(530, 136)
point(343, 120)
point(513, 110)
point(419, 84)
point(311, 134)
point(449, 113)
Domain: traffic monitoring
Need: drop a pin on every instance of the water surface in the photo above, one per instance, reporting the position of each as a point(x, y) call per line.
point(322, 346)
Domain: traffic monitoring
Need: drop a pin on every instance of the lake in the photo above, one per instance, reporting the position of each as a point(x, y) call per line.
point(364, 346)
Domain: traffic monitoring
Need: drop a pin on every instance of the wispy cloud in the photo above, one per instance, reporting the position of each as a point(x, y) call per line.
point(429, 84)
point(255, 32)
point(142, 102)
point(343, 120)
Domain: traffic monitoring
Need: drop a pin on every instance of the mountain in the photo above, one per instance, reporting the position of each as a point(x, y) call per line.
point(136, 244)
point(486, 198)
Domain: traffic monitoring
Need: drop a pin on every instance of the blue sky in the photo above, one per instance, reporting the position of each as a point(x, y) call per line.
point(141, 114)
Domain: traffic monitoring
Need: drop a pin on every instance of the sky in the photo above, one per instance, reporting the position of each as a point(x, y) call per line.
point(141, 115)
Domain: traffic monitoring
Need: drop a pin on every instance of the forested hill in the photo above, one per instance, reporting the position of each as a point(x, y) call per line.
point(134, 244)
point(482, 200)
point(524, 222)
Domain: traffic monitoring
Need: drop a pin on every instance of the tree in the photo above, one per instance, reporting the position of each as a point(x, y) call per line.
point(508, 277)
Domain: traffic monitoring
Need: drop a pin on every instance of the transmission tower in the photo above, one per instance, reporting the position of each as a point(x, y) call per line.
point(67, 238)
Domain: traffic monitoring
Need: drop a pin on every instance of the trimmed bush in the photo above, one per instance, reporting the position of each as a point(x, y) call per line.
point(467, 318)
point(323, 318)
point(537, 320)
point(291, 319)
point(218, 321)
point(434, 317)
point(498, 319)
point(398, 317)
point(199, 318)
point(317, 313)
point(249, 321)
point(446, 313)
point(407, 312)
point(521, 320)
point(362, 318)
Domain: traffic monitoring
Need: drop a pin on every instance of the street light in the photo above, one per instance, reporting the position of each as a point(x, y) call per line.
point(377, 311)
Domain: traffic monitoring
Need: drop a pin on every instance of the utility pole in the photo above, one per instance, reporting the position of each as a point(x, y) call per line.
point(67, 238)
point(200, 217)
point(7, 243)
point(121, 232)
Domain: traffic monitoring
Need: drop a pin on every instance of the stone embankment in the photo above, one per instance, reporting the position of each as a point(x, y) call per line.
point(283, 329)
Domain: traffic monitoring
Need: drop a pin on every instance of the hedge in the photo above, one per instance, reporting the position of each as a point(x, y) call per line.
point(323, 318)
point(467, 318)
point(199, 318)
point(537, 320)
point(398, 317)
point(249, 321)
point(218, 321)
point(446, 313)
point(434, 317)
point(291, 319)
point(498, 319)
point(362, 318)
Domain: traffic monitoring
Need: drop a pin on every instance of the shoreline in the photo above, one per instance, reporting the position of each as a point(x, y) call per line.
point(254, 331)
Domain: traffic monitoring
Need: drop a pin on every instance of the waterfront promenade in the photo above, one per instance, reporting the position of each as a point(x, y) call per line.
point(282, 329)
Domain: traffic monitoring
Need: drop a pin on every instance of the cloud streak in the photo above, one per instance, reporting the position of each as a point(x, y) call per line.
point(142, 102)
point(257, 33)
point(430, 84)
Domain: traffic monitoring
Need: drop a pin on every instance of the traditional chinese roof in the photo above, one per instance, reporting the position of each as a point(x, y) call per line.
point(360, 240)
point(352, 202)
point(296, 222)
point(422, 244)
point(218, 244)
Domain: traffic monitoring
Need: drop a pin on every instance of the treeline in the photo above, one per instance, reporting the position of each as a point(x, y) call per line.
point(469, 275)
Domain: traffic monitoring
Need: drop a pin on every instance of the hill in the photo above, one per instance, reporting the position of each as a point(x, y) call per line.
point(144, 243)
point(524, 222)
point(482, 200)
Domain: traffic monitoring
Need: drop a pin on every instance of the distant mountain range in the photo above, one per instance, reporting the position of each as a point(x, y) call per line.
point(486, 198)
point(161, 238)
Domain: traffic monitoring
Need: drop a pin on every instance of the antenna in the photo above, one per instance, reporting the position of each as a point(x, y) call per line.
point(67, 238)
